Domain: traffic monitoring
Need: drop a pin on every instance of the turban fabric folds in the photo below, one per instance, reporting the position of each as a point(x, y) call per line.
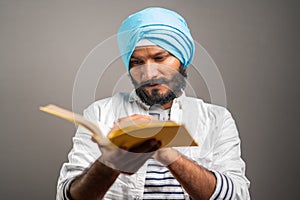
point(163, 27)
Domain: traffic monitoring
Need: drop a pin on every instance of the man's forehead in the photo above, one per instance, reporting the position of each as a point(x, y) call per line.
point(153, 49)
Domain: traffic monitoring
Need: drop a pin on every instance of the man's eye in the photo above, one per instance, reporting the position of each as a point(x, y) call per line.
point(135, 62)
point(160, 58)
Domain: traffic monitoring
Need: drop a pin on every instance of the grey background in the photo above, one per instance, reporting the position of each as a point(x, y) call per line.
point(255, 45)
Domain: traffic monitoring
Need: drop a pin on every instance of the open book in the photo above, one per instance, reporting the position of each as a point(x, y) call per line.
point(130, 133)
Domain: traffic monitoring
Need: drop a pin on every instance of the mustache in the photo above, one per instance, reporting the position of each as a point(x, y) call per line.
point(150, 82)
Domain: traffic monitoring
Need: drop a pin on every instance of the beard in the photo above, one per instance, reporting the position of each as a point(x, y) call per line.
point(174, 87)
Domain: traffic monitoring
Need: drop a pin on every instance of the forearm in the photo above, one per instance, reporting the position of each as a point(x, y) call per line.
point(94, 182)
point(196, 180)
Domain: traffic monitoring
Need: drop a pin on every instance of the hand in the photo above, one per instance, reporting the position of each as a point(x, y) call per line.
point(129, 160)
point(133, 119)
point(166, 156)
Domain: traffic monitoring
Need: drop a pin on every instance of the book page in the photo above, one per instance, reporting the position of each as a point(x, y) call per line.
point(77, 119)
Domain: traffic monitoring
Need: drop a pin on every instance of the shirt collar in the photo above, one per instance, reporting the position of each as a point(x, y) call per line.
point(133, 97)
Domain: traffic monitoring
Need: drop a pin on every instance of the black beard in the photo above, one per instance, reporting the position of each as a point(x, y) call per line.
point(176, 84)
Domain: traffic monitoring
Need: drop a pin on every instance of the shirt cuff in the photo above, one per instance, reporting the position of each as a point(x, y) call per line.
point(224, 187)
point(66, 189)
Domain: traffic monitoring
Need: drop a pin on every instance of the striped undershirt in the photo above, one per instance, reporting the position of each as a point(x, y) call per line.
point(159, 182)
point(224, 187)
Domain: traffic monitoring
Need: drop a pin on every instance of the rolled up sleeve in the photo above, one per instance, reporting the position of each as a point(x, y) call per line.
point(228, 166)
point(84, 152)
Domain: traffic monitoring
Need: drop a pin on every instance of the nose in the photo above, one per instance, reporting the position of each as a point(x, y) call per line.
point(150, 70)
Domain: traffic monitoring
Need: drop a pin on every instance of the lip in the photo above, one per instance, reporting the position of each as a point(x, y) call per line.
point(153, 86)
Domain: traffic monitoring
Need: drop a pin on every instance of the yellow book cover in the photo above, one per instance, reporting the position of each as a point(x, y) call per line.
point(129, 134)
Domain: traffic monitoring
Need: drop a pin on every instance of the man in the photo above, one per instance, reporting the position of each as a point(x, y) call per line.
point(156, 47)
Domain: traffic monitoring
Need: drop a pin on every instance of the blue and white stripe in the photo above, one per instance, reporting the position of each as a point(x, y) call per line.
point(224, 187)
point(160, 183)
point(66, 190)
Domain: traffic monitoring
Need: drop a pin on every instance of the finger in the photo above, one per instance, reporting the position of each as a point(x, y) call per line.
point(131, 121)
point(129, 118)
point(133, 117)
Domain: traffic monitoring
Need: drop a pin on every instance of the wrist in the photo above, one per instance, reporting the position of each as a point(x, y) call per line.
point(109, 167)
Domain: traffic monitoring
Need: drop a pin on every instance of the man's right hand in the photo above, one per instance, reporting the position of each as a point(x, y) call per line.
point(129, 160)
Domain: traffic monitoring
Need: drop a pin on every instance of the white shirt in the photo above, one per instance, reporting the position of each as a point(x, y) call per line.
point(212, 127)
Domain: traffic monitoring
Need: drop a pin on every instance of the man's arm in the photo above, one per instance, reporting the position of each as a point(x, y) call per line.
point(94, 182)
point(195, 179)
point(227, 179)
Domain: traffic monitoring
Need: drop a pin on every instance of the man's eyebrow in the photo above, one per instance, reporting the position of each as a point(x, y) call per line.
point(134, 57)
point(160, 52)
point(152, 55)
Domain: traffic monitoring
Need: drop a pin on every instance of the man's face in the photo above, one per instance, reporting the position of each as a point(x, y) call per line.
point(155, 75)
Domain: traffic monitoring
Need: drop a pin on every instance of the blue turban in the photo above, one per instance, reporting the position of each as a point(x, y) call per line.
point(163, 27)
